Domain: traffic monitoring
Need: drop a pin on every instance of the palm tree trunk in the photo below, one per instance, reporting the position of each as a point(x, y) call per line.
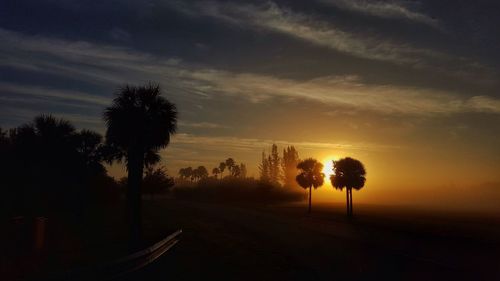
point(350, 203)
point(310, 194)
point(134, 210)
point(347, 200)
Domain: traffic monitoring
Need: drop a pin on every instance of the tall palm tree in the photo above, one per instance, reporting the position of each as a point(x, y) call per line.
point(139, 123)
point(349, 173)
point(310, 176)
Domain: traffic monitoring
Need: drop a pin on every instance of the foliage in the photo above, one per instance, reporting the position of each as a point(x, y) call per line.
point(270, 167)
point(264, 168)
point(200, 173)
point(222, 167)
point(348, 172)
point(289, 165)
point(47, 166)
point(310, 173)
point(274, 165)
point(140, 121)
point(235, 190)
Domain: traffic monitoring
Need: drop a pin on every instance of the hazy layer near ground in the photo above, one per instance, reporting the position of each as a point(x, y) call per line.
point(283, 243)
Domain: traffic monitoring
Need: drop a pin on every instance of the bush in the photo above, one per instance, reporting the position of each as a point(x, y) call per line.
point(231, 189)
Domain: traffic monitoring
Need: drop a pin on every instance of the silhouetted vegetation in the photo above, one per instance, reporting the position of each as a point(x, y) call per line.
point(235, 189)
point(194, 175)
point(235, 186)
point(139, 123)
point(310, 176)
point(48, 167)
point(289, 165)
point(349, 173)
point(156, 181)
point(270, 167)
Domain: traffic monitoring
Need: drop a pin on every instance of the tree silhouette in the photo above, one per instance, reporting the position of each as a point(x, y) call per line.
point(156, 180)
point(222, 167)
point(230, 163)
point(54, 168)
point(215, 172)
point(289, 165)
point(243, 171)
point(186, 173)
point(201, 172)
point(264, 168)
point(349, 173)
point(310, 176)
point(274, 165)
point(236, 171)
point(139, 123)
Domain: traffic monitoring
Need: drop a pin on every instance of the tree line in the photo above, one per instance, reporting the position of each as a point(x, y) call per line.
point(279, 170)
point(196, 174)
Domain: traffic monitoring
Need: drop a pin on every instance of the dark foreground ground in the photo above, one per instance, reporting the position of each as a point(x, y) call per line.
point(283, 243)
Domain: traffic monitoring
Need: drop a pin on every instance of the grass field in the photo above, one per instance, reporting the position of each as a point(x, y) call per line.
point(282, 242)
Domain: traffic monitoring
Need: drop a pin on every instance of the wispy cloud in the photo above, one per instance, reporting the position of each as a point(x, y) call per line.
point(347, 92)
point(250, 144)
point(203, 125)
point(270, 16)
point(53, 93)
point(386, 9)
point(188, 82)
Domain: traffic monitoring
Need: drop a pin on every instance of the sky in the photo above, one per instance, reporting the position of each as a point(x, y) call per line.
point(410, 88)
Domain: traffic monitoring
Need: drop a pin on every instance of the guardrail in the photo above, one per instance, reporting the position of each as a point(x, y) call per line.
point(127, 264)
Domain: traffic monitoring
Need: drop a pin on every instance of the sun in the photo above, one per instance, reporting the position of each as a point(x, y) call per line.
point(328, 167)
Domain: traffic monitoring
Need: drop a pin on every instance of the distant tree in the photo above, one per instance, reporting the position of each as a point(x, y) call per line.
point(215, 172)
point(186, 173)
point(289, 165)
point(156, 180)
point(236, 171)
point(222, 167)
point(310, 176)
point(349, 173)
point(230, 163)
point(139, 123)
point(201, 172)
point(274, 165)
point(264, 168)
point(243, 171)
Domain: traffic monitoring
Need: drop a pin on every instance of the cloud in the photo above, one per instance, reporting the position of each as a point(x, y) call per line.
point(270, 16)
point(204, 125)
point(192, 84)
point(44, 92)
point(385, 9)
point(346, 92)
point(250, 144)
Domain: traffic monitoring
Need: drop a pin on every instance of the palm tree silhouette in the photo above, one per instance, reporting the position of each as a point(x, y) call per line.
point(186, 173)
point(139, 123)
point(310, 176)
point(349, 173)
point(230, 163)
point(222, 167)
point(215, 172)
